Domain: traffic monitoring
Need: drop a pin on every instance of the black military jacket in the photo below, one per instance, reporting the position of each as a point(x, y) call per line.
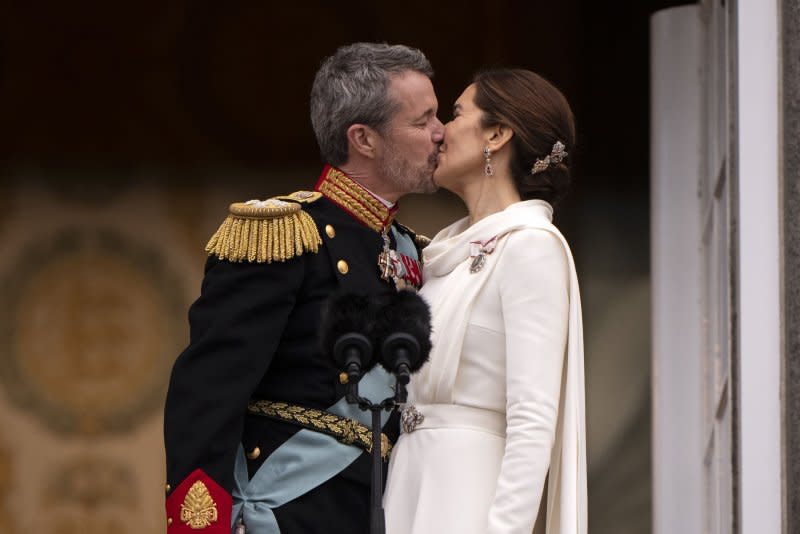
point(254, 335)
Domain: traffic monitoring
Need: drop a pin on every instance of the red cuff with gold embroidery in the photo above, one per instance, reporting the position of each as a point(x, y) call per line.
point(199, 504)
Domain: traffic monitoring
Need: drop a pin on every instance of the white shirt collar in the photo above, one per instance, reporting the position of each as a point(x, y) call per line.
point(385, 202)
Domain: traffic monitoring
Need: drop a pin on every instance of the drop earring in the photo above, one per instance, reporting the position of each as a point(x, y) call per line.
point(488, 170)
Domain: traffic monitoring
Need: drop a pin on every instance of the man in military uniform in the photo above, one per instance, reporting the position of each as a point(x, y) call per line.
point(258, 434)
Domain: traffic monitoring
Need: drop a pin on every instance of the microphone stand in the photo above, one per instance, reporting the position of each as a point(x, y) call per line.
point(377, 521)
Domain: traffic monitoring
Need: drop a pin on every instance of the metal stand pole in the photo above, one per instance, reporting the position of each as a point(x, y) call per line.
point(377, 520)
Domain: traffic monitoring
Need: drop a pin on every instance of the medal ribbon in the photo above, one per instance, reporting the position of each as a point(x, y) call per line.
point(478, 248)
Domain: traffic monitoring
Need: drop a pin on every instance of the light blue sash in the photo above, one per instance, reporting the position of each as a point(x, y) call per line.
point(303, 462)
point(404, 244)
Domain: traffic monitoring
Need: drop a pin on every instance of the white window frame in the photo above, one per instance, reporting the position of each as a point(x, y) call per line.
point(717, 432)
point(759, 260)
point(717, 279)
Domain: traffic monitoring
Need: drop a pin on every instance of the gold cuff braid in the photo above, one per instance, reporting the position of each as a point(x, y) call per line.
point(343, 429)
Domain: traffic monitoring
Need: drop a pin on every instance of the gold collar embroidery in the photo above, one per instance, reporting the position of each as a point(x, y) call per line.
point(355, 199)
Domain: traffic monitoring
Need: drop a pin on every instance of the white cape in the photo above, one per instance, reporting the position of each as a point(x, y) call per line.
point(566, 498)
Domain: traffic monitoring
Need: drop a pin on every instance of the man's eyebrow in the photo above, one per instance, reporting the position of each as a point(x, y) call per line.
point(428, 113)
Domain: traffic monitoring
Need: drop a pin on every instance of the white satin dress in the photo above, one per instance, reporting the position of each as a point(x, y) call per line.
point(493, 396)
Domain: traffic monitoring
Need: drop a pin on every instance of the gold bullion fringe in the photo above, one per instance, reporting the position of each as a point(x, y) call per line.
point(265, 240)
point(345, 430)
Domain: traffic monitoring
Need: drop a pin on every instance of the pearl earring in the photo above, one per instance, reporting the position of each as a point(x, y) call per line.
point(488, 170)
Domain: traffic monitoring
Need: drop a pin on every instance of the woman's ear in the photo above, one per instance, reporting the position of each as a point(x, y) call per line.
point(363, 140)
point(498, 137)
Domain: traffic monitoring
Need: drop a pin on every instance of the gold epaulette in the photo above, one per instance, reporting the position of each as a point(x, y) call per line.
point(264, 231)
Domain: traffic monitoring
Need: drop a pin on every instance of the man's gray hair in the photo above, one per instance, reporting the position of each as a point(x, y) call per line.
point(351, 87)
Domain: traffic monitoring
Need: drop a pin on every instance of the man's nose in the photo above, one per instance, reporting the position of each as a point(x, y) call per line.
point(438, 131)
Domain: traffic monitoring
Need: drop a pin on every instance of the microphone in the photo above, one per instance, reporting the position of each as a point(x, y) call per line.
point(401, 324)
point(346, 328)
point(352, 352)
point(403, 331)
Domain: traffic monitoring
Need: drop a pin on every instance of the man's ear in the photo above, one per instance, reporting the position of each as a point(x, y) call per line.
point(498, 136)
point(363, 139)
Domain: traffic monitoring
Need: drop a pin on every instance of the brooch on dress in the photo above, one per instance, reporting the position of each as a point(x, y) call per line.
point(478, 250)
point(410, 418)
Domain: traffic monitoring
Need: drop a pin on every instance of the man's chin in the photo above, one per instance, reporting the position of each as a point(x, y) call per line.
point(433, 185)
point(429, 186)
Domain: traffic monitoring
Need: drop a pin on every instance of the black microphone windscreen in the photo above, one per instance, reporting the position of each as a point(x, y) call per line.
point(346, 313)
point(407, 312)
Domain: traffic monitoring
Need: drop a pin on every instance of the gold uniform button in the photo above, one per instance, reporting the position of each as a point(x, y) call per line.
point(343, 378)
point(330, 231)
point(254, 454)
point(343, 267)
point(169, 521)
point(167, 488)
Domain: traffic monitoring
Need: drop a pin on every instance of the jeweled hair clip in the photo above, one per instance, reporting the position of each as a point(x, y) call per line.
point(557, 155)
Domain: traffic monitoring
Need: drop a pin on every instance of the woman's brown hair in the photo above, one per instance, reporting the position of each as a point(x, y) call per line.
point(539, 116)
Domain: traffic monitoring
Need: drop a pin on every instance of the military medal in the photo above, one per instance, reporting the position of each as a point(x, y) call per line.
point(477, 263)
point(396, 267)
point(478, 252)
point(387, 259)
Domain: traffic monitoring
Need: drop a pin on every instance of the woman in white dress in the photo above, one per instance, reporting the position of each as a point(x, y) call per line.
point(499, 408)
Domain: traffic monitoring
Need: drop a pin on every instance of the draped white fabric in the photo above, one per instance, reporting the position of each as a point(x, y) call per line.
point(507, 339)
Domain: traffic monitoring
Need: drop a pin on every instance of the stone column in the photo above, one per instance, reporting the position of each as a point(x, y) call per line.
point(677, 58)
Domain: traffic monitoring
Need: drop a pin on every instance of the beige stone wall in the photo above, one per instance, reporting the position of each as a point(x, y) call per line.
point(94, 290)
point(95, 282)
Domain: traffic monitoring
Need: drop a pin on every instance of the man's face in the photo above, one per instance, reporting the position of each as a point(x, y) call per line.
point(413, 135)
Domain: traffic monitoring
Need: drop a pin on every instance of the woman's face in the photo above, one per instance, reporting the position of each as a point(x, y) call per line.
point(461, 153)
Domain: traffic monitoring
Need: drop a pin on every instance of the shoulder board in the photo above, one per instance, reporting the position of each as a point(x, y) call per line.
point(263, 231)
point(405, 229)
point(422, 241)
point(302, 197)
